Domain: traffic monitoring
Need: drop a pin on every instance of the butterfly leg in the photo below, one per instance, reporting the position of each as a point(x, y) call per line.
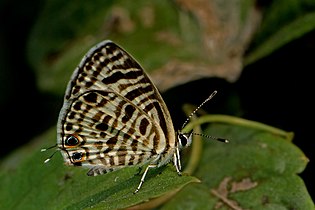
point(143, 176)
point(177, 162)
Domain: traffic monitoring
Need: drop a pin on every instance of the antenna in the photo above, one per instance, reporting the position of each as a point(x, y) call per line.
point(211, 137)
point(205, 101)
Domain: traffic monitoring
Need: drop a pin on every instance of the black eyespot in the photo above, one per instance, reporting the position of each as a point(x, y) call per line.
point(72, 141)
point(77, 156)
point(183, 139)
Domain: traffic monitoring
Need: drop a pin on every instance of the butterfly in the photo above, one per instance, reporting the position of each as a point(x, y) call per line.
point(113, 116)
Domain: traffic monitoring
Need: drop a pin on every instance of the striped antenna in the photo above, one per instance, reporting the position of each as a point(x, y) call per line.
point(192, 114)
point(211, 137)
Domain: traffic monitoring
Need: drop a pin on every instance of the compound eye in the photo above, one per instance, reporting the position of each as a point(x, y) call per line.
point(182, 139)
point(71, 141)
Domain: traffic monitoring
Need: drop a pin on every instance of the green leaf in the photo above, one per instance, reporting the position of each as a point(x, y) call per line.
point(257, 169)
point(281, 37)
point(284, 21)
point(61, 37)
point(32, 184)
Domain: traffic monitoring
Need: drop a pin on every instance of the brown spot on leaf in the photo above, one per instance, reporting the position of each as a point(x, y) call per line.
point(119, 21)
point(243, 185)
point(225, 33)
point(147, 16)
point(227, 187)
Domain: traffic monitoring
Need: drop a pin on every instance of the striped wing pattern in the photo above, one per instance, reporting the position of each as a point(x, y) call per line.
point(113, 116)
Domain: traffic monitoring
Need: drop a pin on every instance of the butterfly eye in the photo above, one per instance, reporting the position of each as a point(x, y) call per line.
point(77, 156)
point(184, 140)
point(71, 141)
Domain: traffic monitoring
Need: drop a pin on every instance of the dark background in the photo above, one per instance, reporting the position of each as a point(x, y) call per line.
point(277, 90)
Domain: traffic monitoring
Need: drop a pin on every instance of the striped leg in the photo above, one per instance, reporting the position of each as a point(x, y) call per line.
point(177, 162)
point(143, 176)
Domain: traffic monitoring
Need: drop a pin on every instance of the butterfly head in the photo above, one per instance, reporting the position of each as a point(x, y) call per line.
point(184, 139)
